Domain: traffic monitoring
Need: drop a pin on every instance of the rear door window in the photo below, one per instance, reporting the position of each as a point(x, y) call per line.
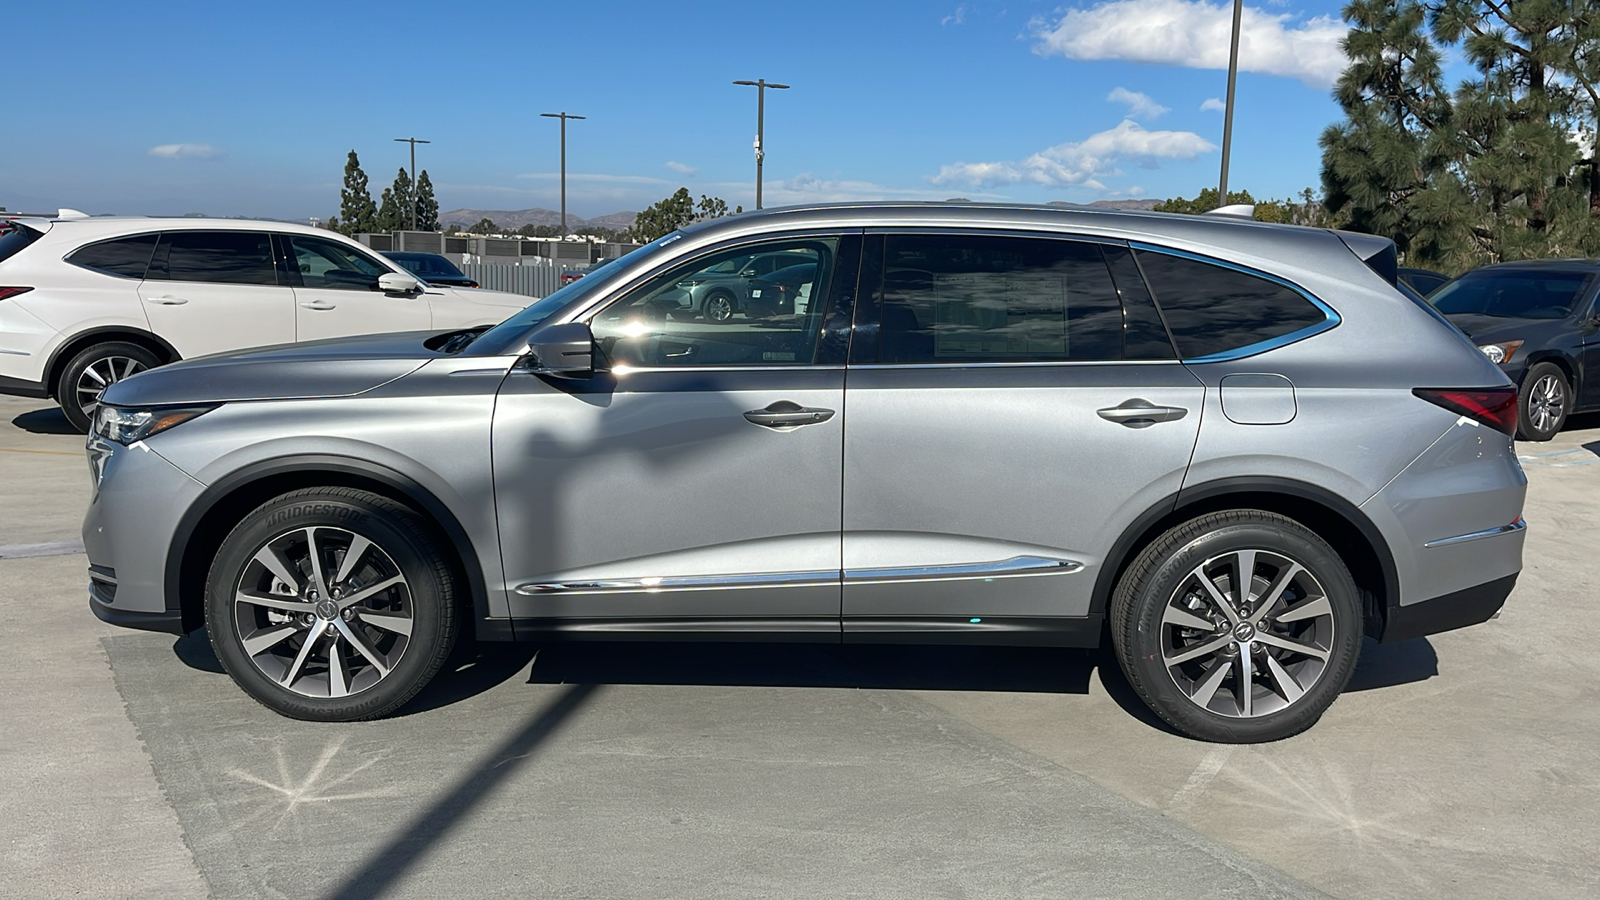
point(124, 257)
point(215, 257)
point(1212, 309)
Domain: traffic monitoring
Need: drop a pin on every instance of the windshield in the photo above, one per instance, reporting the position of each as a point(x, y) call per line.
point(568, 293)
point(425, 264)
point(1512, 294)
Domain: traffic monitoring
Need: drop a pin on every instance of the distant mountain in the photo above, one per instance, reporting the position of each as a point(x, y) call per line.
point(1144, 205)
point(512, 219)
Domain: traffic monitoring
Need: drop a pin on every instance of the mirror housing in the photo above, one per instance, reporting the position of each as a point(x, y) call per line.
point(565, 351)
point(395, 283)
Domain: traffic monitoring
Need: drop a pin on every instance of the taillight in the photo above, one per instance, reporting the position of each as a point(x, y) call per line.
point(1494, 407)
point(7, 293)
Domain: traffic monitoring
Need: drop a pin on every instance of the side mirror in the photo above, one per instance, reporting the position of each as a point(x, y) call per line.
point(565, 351)
point(395, 283)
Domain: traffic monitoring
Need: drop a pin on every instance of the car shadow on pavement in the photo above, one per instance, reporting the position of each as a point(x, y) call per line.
point(1388, 665)
point(44, 421)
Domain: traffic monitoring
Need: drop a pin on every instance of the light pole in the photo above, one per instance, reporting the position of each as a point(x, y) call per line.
point(563, 116)
point(1227, 112)
point(761, 85)
point(413, 142)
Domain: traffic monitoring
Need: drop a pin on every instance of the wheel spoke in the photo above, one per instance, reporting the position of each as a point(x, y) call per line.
point(305, 653)
point(1287, 685)
point(1183, 618)
point(1217, 600)
point(1197, 651)
point(388, 622)
point(1274, 593)
point(1244, 576)
point(288, 604)
point(1244, 685)
point(1207, 688)
point(338, 670)
point(350, 600)
point(276, 564)
point(1283, 643)
point(358, 549)
point(267, 638)
point(318, 581)
point(98, 378)
point(1307, 610)
point(360, 643)
point(132, 367)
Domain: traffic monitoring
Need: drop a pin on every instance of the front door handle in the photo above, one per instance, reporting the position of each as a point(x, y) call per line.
point(784, 414)
point(168, 301)
point(319, 304)
point(1138, 413)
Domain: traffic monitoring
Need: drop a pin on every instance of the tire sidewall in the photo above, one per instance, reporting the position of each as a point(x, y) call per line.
point(67, 384)
point(705, 306)
point(1525, 429)
point(1141, 610)
point(390, 529)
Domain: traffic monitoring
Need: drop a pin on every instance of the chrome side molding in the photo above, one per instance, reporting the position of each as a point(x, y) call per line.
point(1518, 525)
point(1015, 567)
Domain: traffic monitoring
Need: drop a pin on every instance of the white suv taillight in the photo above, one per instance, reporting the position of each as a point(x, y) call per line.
point(7, 293)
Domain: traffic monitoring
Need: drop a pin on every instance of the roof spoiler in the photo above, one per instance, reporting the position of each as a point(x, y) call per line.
point(1377, 252)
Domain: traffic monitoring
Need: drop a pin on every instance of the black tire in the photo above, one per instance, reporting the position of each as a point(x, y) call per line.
point(718, 307)
point(1543, 402)
point(1161, 593)
point(408, 627)
point(109, 362)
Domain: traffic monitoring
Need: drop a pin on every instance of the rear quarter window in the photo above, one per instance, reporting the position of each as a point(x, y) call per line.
point(125, 257)
point(13, 238)
point(1212, 309)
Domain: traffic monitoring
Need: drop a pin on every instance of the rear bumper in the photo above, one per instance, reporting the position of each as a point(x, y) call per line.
point(21, 387)
point(1459, 609)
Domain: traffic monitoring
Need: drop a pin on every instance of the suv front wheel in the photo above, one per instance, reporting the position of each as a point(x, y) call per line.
point(331, 604)
point(1237, 627)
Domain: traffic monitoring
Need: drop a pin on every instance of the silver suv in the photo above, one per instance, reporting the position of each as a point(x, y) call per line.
point(1236, 444)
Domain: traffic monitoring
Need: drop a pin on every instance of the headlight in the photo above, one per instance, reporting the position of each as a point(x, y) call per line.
point(129, 426)
point(1501, 352)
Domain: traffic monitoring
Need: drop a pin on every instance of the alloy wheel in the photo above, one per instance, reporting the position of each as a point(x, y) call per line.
point(1547, 403)
point(323, 612)
point(718, 308)
point(101, 374)
point(1247, 633)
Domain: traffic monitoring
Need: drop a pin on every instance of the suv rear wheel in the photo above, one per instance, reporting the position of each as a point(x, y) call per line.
point(1237, 627)
point(331, 604)
point(94, 369)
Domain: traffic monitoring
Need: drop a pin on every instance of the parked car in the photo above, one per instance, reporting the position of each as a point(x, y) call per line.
point(784, 292)
point(992, 424)
point(568, 276)
point(433, 268)
point(1423, 281)
point(89, 301)
point(718, 292)
point(1539, 323)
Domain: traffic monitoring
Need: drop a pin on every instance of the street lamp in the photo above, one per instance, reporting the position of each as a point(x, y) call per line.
point(761, 86)
point(1227, 112)
point(413, 142)
point(563, 116)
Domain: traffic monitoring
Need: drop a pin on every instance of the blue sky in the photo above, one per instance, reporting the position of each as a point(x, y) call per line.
point(250, 108)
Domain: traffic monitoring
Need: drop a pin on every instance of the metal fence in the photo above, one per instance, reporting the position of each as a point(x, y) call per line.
point(531, 281)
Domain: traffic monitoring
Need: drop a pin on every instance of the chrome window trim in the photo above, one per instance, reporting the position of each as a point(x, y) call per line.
point(1000, 231)
point(1331, 320)
point(1034, 364)
point(1518, 525)
point(1015, 567)
point(624, 371)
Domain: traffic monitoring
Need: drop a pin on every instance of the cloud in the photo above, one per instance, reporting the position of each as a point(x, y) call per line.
point(1081, 164)
point(188, 151)
point(808, 188)
point(1195, 34)
point(1213, 104)
point(1140, 106)
point(957, 17)
point(598, 178)
point(680, 168)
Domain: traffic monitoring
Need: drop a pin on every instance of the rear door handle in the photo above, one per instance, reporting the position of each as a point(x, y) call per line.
point(319, 304)
point(784, 414)
point(168, 301)
point(1137, 413)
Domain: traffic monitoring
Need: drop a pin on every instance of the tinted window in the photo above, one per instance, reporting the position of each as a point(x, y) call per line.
point(14, 237)
point(961, 298)
point(127, 256)
point(218, 257)
point(663, 322)
point(1211, 309)
point(1512, 293)
point(425, 264)
point(329, 264)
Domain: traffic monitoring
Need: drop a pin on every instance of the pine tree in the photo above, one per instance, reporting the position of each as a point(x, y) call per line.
point(427, 207)
point(356, 208)
point(389, 213)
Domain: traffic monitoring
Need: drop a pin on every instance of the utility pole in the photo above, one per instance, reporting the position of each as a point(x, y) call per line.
point(761, 85)
point(1227, 113)
point(413, 142)
point(563, 116)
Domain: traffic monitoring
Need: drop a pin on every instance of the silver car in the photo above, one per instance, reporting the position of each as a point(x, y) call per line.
point(1235, 444)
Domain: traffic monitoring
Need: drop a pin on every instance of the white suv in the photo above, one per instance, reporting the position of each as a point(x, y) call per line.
point(86, 302)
